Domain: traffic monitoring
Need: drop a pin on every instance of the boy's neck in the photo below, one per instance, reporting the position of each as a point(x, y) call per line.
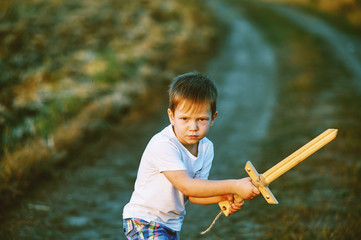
point(193, 149)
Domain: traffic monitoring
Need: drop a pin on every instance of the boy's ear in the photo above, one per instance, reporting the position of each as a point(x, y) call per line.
point(214, 118)
point(171, 116)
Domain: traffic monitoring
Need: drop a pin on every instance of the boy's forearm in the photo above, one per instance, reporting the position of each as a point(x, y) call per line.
point(207, 200)
point(200, 188)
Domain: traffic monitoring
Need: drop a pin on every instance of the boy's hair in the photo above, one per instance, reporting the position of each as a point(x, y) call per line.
point(195, 88)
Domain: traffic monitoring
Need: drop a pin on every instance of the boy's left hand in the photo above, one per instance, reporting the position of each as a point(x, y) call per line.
point(235, 207)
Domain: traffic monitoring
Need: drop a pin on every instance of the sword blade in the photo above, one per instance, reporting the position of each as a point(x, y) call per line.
point(299, 155)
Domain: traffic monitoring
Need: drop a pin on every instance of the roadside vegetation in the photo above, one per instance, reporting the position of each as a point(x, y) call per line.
point(71, 69)
point(321, 199)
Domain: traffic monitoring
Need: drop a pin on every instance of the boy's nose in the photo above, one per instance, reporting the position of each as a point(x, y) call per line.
point(193, 125)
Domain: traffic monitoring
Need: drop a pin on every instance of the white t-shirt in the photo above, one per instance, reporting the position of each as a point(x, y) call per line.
point(154, 197)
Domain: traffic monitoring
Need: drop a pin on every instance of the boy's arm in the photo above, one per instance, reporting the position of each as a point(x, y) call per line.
point(200, 188)
point(208, 200)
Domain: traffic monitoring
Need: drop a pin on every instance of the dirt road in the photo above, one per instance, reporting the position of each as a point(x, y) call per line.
point(87, 202)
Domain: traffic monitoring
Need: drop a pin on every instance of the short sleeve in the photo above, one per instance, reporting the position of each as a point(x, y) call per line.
point(165, 156)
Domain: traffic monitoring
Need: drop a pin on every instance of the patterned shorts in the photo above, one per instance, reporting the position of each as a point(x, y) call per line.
point(138, 229)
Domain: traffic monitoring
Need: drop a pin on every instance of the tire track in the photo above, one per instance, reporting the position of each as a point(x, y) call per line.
point(343, 47)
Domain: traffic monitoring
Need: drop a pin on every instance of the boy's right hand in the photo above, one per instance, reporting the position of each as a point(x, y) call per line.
point(246, 190)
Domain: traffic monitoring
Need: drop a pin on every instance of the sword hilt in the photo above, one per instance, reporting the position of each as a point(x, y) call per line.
point(225, 205)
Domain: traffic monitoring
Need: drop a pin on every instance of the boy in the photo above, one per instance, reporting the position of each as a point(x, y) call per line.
point(175, 165)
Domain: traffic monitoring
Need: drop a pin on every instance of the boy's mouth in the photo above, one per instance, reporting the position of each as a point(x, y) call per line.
point(192, 136)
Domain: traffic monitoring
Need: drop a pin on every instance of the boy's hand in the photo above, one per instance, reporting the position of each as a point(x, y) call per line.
point(235, 207)
point(246, 190)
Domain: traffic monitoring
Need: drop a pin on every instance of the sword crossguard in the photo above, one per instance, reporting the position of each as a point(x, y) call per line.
point(260, 182)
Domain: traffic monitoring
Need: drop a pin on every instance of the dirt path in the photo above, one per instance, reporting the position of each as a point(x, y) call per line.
point(245, 71)
point(87, 202)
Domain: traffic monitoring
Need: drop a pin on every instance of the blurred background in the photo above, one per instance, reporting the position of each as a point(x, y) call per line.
point(83, 87)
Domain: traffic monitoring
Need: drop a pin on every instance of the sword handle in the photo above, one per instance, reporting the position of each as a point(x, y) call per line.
point(225, 205)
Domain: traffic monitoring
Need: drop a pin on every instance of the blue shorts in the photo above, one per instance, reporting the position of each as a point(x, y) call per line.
point(138, 229)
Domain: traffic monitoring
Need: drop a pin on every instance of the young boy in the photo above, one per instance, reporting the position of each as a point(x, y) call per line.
point(175, 165)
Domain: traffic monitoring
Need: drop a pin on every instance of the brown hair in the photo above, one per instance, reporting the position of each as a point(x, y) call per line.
point(195, 88)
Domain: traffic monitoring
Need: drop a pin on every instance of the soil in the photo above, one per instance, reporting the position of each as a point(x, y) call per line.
point(86, 201)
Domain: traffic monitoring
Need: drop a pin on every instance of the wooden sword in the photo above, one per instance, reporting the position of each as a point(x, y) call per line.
point(261, 181)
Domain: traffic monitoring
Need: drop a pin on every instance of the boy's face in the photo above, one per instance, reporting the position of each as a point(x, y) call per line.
point(190, 125)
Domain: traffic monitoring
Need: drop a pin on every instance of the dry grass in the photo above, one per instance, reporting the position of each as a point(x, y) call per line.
point(73, 68)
